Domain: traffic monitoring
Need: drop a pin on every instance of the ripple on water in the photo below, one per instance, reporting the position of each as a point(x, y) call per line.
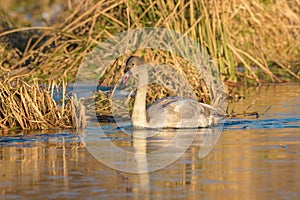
point(253, 159)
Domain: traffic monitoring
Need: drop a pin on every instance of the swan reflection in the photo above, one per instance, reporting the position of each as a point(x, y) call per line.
point(146, 150)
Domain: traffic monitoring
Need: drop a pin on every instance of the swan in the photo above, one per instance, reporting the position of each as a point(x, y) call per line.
point(168, 112)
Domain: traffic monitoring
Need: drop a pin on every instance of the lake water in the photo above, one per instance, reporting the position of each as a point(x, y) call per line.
point(253, 158)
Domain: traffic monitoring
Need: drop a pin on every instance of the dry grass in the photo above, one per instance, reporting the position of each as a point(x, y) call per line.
point(250, 40)
point(266, 37)
point(31, 106)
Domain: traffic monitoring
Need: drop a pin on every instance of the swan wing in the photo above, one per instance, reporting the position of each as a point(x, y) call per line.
point(179, 112)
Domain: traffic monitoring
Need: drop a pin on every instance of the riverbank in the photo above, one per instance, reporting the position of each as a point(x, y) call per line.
point(252, 43)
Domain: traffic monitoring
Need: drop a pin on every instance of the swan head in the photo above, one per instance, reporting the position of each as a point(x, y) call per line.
point(132, 67)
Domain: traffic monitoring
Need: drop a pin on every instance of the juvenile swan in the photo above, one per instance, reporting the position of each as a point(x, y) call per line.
point(169, 112)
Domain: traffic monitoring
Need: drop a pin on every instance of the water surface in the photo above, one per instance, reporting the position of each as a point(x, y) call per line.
point(254, 158)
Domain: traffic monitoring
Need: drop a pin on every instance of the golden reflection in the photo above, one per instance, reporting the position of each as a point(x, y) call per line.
point(250, 163)
point(242, 163)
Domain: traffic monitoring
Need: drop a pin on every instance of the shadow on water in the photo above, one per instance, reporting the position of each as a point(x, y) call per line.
point(253, 158)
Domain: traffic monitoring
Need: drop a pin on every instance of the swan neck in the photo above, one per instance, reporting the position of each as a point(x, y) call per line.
point(139, 110)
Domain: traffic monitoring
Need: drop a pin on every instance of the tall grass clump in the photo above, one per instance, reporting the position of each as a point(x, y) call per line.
point(31, 106)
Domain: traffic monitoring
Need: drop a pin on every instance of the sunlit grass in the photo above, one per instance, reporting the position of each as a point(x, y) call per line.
point(249, 40)
point(252, 42)
point(30, 105)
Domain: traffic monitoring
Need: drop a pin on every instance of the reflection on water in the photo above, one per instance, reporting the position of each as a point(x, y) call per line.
point(146, 150)
point(252, 162)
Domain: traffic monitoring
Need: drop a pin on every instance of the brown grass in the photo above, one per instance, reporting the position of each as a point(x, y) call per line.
point(28, 106)
point(249, 40)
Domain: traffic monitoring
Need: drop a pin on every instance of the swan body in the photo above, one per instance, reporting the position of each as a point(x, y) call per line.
point(169, 112)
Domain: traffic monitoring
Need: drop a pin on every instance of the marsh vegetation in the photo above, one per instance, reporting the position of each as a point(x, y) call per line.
point(252, 42)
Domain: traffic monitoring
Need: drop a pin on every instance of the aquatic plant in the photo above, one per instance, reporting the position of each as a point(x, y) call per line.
point(251, 41)
point(30, 105)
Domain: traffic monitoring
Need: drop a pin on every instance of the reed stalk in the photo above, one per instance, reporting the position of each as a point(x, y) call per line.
point(30, 105)
point(247, 39)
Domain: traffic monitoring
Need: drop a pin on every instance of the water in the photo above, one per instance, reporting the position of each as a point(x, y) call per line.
point(252, 159)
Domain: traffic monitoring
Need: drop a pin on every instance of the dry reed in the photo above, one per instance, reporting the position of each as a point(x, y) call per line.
point(249, 40)
point(31, 106)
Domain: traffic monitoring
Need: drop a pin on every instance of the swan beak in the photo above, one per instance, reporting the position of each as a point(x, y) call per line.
point(126, 77)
